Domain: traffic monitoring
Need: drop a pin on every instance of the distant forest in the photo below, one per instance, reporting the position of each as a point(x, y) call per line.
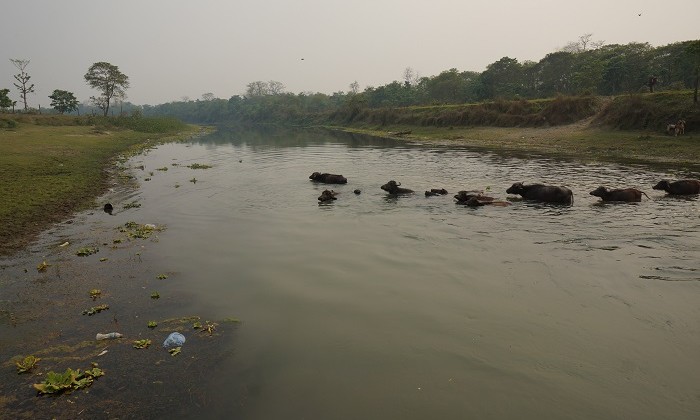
point(581, 68)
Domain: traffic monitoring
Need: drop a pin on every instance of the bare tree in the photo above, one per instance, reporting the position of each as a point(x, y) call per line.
point(275, 88)
point(354, 87)
point(584, 43)
point(410, 77)
point(208, 96)
point(22, 79)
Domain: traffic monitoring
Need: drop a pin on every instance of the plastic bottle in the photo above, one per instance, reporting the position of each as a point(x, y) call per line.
point(100, 336)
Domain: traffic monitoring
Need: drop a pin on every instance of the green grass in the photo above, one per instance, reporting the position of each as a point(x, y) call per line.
point(571, 141)
point(48, 171)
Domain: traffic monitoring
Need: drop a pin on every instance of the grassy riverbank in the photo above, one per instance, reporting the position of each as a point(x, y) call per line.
point(575, 141)
point(52, 166)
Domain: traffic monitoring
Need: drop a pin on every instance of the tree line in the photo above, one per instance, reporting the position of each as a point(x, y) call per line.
point(583, 67)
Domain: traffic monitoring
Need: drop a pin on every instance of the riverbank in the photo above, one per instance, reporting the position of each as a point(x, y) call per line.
point(52, 167)
point(580, 141)
point(51, 289)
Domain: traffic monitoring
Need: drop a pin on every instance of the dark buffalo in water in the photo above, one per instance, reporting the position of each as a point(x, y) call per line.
point(477, 202)
point(626, 194)
point(435, 191)
point(392, 187)
point(682, 187)
point(327, 196)
point(544, 193)
point(328, 178)
point(464, 196)
point(108, 208)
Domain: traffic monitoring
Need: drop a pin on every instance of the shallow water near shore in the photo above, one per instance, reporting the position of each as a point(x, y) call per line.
point(411, 307)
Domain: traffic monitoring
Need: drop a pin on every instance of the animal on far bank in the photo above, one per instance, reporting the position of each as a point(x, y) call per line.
point(544, 193)
point(625, 194)
point(681, 187)
point(676, 129)
point(327, 178)
point(394, 188)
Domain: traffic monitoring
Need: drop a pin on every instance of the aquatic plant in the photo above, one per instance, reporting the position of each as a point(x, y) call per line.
point(175, 351)
point(232, 319)
point(85, 251)
point(42, 266)
point(193, 180)
point(142, 344)
point(103, 259)
point(155, 295)
point(95, 293)
point(162, 276)
point(135, 230)
point(132, 205)
point(197, 325)
point(152, 324)
point(147, 179)
point(164, 168)
point(198, 166)
point(26, 364)
point(95, 310)
point(207, 327)
point(56, 383)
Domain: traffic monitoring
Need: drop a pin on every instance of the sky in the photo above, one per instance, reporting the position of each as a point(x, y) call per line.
point(176, 49)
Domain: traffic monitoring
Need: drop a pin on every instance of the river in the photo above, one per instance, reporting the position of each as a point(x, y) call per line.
point(415, 307)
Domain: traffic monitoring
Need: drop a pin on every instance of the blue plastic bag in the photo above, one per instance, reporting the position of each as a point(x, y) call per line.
point(174, 340)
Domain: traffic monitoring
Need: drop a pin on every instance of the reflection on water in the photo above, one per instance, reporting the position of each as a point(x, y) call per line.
point(415, 307)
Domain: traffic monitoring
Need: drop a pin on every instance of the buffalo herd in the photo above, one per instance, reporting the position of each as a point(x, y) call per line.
point(532, 192)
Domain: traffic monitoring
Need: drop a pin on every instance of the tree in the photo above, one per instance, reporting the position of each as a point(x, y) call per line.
point(208, 96)
point(584, 43)
point(22, 79)
point(63, 101)
point(109, 81)
point(5, 101)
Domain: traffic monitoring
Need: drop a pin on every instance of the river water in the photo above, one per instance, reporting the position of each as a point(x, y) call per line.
point(414, 307)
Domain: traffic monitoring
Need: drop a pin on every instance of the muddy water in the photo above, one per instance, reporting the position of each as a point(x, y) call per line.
point(412, 307)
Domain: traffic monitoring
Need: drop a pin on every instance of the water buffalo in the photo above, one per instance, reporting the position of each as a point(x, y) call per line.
point(626, 194)
point(545, 193)
point(328, 178)
point(108, 208)
point(327, 196)
point(475, 201)
point(435, 191)
point(464, 196)
point(392, 187)
point(682, 187)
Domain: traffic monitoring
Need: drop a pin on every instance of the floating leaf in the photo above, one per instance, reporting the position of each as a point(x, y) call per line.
point(42, 267)
point(142, 344)
point(198, 166)
point(162, 276)
point(152, 324)
point(95, 310)
point(155, 295)
point(27, 364)
point(85, 251)
point(95, 293)
point(175, 351)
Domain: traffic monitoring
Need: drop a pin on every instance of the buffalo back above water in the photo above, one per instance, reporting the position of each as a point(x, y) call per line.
point(682, 187)
point(625, 194)
point(393, 187)
point(327, 178)
point(544, 193)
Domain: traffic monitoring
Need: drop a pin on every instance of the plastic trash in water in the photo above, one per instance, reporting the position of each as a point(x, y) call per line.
point(174, 340)
point(100, 336)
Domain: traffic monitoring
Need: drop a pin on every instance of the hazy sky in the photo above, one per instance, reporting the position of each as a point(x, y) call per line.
point(176, 48)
